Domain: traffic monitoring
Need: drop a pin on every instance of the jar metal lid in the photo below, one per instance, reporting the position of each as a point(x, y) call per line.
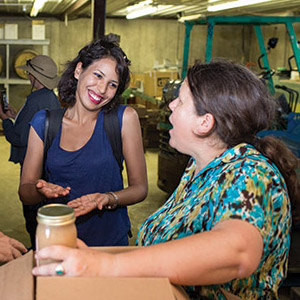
point(56, 214)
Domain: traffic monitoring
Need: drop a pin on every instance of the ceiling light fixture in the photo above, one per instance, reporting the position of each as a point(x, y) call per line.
point(233, 4)
point(37, 6)
point(190, 18)
point(142, 12)
point(144, 8)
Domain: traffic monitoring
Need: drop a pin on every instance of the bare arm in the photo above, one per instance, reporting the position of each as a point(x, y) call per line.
point(233, 249)
point(134, 156)
point(32, 189)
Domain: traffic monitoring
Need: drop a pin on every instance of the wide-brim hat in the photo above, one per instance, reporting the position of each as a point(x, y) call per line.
point(44, 69)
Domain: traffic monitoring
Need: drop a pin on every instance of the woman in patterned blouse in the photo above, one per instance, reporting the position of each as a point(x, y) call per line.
point(226, 228)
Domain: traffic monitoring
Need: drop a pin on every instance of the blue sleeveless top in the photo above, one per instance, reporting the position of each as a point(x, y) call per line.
point(91, 169)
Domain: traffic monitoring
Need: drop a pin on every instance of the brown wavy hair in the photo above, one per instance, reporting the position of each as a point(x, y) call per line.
point(241, 106)
point(97, 49)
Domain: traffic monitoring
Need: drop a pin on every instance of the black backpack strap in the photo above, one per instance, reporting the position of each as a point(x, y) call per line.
point(46, 131)
point(113, 132)
point(52, 124)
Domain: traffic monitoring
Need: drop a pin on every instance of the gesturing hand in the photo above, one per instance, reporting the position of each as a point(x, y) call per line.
point(87, 203)
point(10, 248)
point(50, 190)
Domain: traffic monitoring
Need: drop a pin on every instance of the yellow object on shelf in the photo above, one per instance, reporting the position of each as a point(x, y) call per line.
point(21, 59)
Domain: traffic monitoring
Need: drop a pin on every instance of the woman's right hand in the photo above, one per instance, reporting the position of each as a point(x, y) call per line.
point(50, 190)
point(11, 113)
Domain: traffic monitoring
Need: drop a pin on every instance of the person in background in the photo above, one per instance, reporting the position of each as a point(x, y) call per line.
point(80, 164)
point(225, 231)
point(10, 248)
point(42, 73)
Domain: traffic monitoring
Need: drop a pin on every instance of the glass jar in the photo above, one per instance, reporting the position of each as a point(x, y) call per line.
point(56, 226)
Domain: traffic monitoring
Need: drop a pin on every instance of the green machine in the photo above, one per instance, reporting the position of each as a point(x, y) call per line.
point(171, 163)
point(257, 21)
point(290, 134)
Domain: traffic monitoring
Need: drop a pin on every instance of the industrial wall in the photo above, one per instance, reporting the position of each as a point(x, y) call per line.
point(150, 43)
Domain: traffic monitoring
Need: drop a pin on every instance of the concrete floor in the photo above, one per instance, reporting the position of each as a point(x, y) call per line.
point(11, 217)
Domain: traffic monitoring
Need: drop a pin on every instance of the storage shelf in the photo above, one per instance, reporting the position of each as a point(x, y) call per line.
point(7, 80)
point(14, 81)
point(24, 42)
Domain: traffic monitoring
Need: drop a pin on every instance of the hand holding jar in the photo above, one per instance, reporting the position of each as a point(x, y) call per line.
point(56, 226)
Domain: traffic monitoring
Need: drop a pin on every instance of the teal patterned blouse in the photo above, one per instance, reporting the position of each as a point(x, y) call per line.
point(239, 184)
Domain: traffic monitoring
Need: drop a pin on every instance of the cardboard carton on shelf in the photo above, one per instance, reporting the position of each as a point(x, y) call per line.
point(1, 32)
point(11, 31)
point(38, 30)
point(137, 81)
point(16, 282)
point(156, 80)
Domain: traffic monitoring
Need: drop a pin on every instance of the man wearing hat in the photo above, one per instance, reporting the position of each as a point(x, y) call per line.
point(42, 73)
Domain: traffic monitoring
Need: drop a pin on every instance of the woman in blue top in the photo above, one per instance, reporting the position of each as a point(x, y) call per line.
point(225, 231)
point(81, 168)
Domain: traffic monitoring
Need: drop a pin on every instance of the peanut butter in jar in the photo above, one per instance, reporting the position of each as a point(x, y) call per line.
point(56, 226)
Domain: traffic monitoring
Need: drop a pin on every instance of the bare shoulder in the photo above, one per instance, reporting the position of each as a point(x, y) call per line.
point(130, 115)
point(131, 124)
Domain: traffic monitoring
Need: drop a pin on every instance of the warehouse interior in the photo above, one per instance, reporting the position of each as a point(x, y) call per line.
point(161, 44)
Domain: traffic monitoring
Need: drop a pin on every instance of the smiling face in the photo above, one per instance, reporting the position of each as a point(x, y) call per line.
point(97, 84)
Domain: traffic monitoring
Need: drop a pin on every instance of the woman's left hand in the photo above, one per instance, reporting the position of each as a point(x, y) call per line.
point(73, 262)
point(50, 190)
point(87, 203)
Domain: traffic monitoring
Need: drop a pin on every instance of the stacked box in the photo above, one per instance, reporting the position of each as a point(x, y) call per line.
point(11, 31)
point(38, 30)
point(1, 31)
point(137, 81)
point(156, 80)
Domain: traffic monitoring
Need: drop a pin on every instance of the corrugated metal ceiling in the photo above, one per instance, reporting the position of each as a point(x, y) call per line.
point(117, 8)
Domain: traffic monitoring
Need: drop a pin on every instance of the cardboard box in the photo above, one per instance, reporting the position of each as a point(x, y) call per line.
point(1, 31)
point(137, 81)
point(38, 30)
point(16, 282)
point(156, 80)
point(11, 31)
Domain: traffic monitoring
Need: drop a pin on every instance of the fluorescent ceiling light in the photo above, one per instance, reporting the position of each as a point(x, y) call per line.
point(138, 6)
point(190, 18)
point(37, 6)
point(233, 4)
point(142, 12)
point(144, 8)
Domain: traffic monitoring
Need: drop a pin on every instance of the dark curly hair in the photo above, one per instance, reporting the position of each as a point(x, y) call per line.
point(95, 50)
point(241, 106)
